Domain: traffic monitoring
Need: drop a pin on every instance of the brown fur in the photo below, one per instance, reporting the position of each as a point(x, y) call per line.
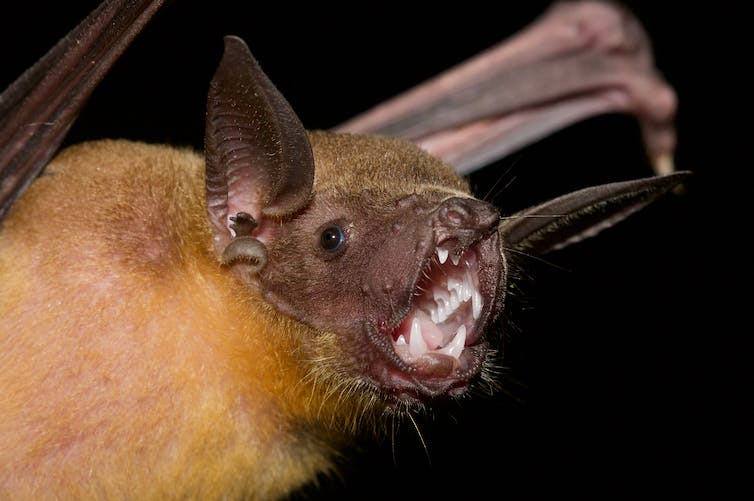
point(387, 166)
point(132, 362)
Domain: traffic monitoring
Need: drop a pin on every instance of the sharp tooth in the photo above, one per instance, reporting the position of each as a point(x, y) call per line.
point(464, 292)
point(440, 294)
point(455, 347)
point(433, 316)
point(401, 340)
point(476, 304)
point(417, 346)
point(453, 283)
point(455, 259)
point(442, 298)
point(442, 255)
point(454, 302)
point(441, 315)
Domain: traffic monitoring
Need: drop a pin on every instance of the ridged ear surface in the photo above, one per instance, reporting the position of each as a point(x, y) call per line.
point(259, 162)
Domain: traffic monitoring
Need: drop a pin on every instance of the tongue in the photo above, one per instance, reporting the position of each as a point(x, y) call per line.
point(423, 348)
point(419, 338)
point(432, 335)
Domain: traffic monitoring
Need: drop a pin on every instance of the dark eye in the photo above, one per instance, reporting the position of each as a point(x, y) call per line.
point(332, 238)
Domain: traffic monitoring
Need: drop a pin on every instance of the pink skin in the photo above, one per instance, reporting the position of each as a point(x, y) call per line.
point(580, 59)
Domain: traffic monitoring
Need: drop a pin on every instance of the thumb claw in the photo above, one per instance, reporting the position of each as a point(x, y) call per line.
point(663, 164)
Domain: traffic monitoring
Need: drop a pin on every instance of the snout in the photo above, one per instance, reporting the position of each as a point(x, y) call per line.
point(463, 220)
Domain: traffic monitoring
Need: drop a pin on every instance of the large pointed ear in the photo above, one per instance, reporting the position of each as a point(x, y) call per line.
point(37, 109)
point(259, 160)
point(582, 214)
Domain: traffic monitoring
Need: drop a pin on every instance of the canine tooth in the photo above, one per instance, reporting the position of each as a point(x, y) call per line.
point(455, 347)
point(476, 304)
point(455, 259)
point(401, 340)
point(442, 255)
point(417, 346)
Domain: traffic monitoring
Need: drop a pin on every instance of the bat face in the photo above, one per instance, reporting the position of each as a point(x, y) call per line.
point(396, 261)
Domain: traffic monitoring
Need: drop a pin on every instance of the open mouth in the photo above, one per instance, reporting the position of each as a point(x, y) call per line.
point(431, 311)
point(443, 316)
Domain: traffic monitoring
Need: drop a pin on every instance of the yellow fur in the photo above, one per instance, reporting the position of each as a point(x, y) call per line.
point(133, 368)
point(133, 365)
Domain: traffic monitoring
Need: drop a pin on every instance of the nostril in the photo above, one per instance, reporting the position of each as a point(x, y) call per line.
point(468, 213)
point(454, 215)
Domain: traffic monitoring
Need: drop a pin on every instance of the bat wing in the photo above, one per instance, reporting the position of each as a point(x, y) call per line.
point(37, 109)
point(581, 214)
point(513, 94)
point(580, 59)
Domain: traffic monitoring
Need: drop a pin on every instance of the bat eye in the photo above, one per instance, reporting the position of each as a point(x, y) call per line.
point(332, 238)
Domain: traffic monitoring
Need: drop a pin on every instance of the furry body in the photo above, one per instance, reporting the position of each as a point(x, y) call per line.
point(214, 328)
point(122, 337)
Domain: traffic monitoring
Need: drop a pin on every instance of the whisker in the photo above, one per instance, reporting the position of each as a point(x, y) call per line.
point(488, 197)
point(392, 439)
point(536, 258)
point(519, 216)
point(421, 437)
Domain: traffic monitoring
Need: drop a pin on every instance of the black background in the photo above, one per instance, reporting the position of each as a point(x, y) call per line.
point(629, 371)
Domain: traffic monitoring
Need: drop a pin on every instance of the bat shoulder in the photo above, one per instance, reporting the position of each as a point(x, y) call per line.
point(126, 201)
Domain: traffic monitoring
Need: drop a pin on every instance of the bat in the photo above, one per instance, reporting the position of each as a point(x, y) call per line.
point(218, 326)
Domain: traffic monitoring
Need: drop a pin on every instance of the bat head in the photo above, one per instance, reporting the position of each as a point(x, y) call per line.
point(377, 247)
point(395, 256)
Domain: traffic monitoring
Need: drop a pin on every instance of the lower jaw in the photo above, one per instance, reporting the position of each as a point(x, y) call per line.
point(418, 385)
point(424, 392)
